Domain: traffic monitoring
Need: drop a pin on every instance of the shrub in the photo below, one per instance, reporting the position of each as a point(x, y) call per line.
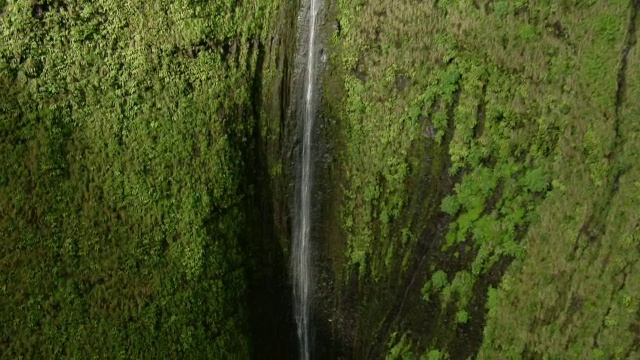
point(462, 316)
point(439, 280)
point(450, 205)
point(528, 33)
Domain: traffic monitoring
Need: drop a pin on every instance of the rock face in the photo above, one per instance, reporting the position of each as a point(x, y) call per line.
point(454, 150)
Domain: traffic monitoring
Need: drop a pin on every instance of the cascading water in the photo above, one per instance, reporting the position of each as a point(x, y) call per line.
point(301, 249)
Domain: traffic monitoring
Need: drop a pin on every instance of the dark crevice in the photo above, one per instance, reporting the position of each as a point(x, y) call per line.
point(451, 114)
point(39, 10)
point(472, 331)
point(270, 307)
point(285, 98)
point(481, 109)
point(634, 327)
point(272, 322)
point(596, 335)
point(406, 298)
point(590, 230)
point(630, 41)
point(469, 336)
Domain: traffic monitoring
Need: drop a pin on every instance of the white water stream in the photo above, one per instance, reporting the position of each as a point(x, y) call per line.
point(301, 249)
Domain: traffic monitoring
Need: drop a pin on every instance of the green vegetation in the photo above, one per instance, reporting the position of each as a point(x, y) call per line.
point(480, 202)
point(582, 300)
point(389, 94)
point(401, 350)
point(124, 128)
point(512, 122)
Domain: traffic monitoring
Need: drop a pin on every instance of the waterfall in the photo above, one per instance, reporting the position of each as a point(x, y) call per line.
point(301, 249)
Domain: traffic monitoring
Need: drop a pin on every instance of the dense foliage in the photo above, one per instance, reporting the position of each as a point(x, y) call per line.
point(482, 198)
point(124, 126)
point(525, 111)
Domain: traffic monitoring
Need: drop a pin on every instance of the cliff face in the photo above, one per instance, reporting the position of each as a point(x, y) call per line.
point(136, 217)
point(272, 174)
point(477, 187)
point(476, 183)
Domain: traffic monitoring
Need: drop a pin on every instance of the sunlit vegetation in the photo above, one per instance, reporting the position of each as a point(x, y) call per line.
point(389, 95)
point(530, 107)
point(483, 152)
point(124, 127)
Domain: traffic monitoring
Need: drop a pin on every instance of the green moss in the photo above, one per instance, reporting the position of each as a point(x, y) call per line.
point(124, 126)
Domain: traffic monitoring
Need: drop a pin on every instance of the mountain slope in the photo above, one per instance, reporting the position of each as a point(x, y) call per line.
point(482, 139)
